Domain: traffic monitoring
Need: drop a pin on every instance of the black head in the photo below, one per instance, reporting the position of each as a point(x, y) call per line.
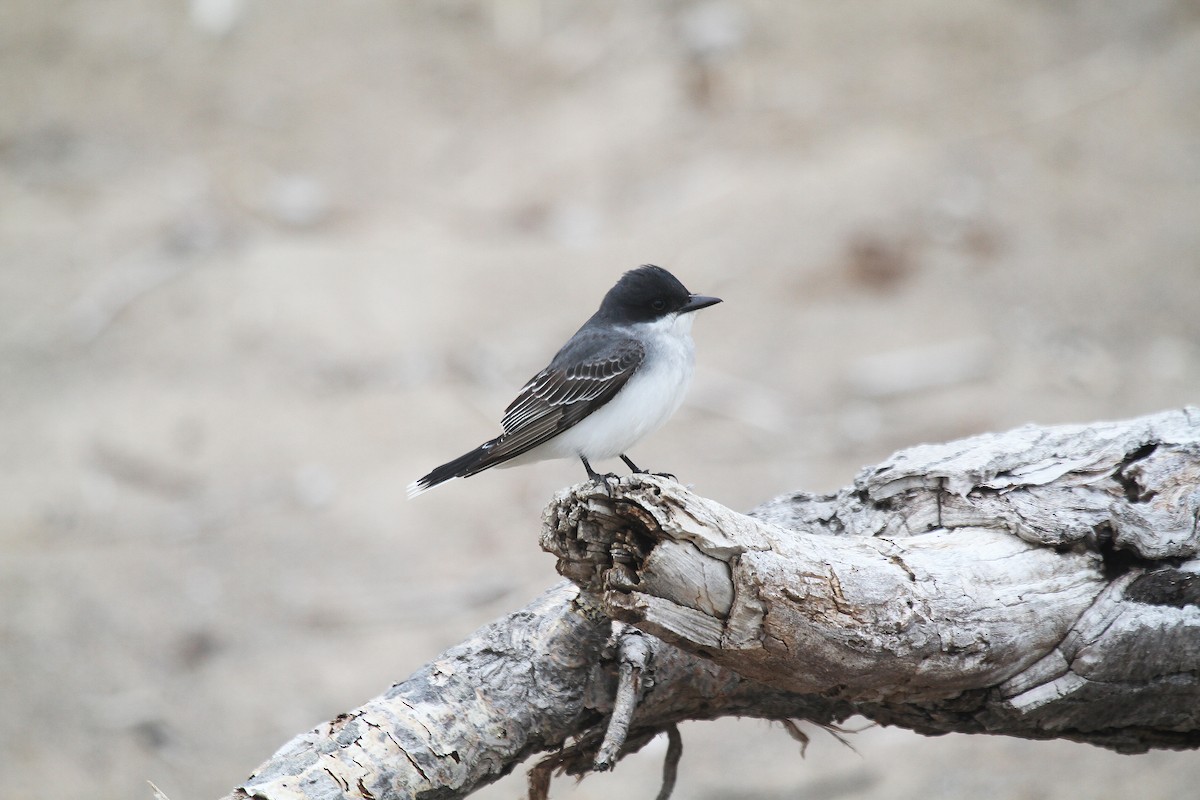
point(649, 293)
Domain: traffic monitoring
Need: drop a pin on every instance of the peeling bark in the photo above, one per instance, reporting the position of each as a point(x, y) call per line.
point(1039, 583)
point(1042, 583)
point(540, 680)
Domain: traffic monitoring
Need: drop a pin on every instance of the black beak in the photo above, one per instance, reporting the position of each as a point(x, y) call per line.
point(698, 301)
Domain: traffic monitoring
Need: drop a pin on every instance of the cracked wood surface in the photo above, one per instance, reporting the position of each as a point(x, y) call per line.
point(464, 719)
point(541, 679)
point(1040, 583)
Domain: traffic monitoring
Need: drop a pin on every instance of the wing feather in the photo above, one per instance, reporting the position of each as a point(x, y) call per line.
point(561, 395)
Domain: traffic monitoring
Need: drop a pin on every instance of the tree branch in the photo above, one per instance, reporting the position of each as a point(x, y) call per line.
point(1040, 583)
point(542, 679)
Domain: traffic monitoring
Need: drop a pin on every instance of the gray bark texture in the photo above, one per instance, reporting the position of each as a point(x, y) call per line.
point(1041, 583)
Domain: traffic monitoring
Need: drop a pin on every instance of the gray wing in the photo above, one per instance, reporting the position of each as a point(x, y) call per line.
point(582, 377)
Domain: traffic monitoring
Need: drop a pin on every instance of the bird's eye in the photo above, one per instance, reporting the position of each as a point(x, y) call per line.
point(659, 304)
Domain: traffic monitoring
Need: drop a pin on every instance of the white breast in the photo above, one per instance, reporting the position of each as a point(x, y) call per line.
point(642, 406)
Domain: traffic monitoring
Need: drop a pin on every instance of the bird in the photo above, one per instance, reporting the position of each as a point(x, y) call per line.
point(619, 378)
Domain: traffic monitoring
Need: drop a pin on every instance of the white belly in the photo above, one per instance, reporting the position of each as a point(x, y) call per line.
point(641, 407)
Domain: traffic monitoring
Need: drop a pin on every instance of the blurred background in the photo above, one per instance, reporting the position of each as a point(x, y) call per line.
point(264, 262)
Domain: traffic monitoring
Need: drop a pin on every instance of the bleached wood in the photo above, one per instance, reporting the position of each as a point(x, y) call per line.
point(541, 679)
point(1040, 583)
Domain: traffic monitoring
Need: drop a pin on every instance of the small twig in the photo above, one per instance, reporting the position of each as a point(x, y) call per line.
point(794, 731)
point(539, 779)
point(634, 655)
point(671, 762)
point(792, 726)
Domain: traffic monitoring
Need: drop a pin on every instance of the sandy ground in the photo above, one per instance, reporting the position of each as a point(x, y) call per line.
point(262, 263)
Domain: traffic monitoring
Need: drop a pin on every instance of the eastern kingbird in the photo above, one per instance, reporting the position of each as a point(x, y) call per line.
point(619, 378)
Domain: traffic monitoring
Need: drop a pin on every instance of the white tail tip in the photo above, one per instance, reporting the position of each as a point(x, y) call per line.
point(417, 488)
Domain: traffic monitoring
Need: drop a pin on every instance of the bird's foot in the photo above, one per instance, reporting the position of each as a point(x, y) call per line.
point(609, 479)
point(639, 471)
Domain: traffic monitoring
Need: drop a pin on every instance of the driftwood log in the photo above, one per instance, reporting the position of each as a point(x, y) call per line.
point(1041, 583)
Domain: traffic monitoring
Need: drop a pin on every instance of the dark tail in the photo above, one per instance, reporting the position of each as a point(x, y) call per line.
point(465, 465)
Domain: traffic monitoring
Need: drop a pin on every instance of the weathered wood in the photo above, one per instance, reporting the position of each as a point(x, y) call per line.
point(1040, 583)
point(464, 719)
point(542, 679)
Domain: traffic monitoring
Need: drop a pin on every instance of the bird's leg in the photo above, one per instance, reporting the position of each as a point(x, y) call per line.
point(601, 478)
point(629, 462)
point(596, 476)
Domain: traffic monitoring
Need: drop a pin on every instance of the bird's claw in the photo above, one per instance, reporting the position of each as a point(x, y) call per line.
point(639, 471)
point(610, 480)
